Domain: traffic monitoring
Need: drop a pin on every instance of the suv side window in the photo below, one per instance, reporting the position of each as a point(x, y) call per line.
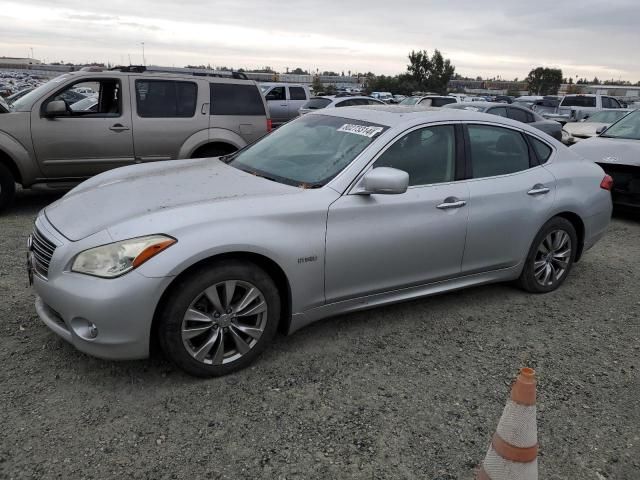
point(95, 98)
point(606, 102)
point(440, 102)
point(428, 155)
point(236, 99)
point(276, 93)
point(496, 151)
point(165, 98)
point(615, 103)
point(297, 93)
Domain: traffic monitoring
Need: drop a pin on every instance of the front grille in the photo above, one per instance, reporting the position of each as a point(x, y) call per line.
point(42, 249)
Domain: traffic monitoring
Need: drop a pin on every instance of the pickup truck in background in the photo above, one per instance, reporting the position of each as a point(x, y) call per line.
point(284, 100)
point(573, 108)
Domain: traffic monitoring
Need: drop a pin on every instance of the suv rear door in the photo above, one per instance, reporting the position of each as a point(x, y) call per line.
point(239, 107)
point(297, 98)
point(84, 141)
point(278, 104)
point(166, 112)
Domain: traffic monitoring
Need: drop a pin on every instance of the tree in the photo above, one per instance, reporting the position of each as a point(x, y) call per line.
point(544, 81)
point(317, 85)
point(596, 81)
point(430, 73)
point(299, 71)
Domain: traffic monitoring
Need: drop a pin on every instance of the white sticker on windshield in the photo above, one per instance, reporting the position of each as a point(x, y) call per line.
point(363, 130)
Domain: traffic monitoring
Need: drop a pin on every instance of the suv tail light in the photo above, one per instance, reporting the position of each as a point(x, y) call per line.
point(269, 125)
point(607, 183)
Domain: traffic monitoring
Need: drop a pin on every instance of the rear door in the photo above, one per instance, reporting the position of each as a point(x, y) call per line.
point(237, 106)
point(510, 196)
point(90, 137)
point(297, 98)
point(166, 112)
point(278, 105)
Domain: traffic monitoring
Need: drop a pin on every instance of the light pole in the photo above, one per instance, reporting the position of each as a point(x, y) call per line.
point(144, 62)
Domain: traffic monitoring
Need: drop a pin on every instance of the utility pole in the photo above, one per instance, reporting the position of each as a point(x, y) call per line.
point(144, 62)
point(129, 58)
point(31, 48)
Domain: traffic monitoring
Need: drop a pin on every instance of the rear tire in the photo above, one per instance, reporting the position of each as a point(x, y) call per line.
point(550, 257)
point(7, 187)
point(219, 318)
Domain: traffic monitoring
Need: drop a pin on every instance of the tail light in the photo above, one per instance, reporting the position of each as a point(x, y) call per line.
point(607, 183)
point(269, 125)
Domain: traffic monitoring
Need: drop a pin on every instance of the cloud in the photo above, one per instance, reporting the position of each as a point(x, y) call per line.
point(488, 38)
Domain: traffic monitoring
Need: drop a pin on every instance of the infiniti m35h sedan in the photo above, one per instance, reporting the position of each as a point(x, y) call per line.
point(339, 210)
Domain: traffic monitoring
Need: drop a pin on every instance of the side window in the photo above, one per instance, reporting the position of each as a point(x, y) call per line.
point(606, 102)
point(496, 151)
point(276, 93)
point(165, 98)
point(297, 93)
point(425, 102)
point(500, 111)
point(530, 117)
point(236, 99)
point(519, 115)
point(440, 102)
point(543, 151)
point(428, 155)
point(96, 98)
point(345, 103)
point(615, 103)
point(372, 102)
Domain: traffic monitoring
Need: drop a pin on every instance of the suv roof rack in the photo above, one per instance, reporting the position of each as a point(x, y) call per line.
point(198, 72)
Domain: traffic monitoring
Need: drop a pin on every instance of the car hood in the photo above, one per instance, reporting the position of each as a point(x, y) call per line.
point(126, 193)
point(617, 151)
point(584, 129)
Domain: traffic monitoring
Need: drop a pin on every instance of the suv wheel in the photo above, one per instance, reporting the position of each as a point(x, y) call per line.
point(218, 319)
point(550, 258)
point(7, 187)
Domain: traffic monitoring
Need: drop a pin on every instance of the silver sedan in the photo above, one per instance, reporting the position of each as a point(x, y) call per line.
point(337, 211)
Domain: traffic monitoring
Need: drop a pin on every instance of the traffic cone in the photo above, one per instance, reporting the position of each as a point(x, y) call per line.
point(513, 453)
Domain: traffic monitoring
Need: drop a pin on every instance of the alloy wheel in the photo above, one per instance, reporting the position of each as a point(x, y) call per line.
point(224, 322)
point(552, 258)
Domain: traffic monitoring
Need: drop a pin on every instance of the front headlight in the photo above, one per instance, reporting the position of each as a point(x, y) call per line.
point(115, 259)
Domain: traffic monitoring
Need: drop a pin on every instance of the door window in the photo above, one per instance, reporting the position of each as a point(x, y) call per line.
point(500, 111)
point(440, 102)
point(496, 151)
point(97, 98)
point(165, 98)
point(543, 151)
point(276, 93)
point(236, 99)
point(297, 93)
point(428, 155)
point(519, 115)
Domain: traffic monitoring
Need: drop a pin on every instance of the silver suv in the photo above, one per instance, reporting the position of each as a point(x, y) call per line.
point(128, 116)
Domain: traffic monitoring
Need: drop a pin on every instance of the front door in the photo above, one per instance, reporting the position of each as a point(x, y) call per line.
point(278, 106)
point(92, 136)
point(377, 243)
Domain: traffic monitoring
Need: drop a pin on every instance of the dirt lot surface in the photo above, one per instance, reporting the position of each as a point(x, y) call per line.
point(409, 391)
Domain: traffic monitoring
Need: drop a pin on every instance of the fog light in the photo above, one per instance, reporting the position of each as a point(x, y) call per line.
point(84, 328)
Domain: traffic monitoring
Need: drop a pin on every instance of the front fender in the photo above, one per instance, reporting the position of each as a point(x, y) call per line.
point(20, 156)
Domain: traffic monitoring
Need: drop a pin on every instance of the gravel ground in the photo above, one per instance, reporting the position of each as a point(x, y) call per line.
point(408, 391)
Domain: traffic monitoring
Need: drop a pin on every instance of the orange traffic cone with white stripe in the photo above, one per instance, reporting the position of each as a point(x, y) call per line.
point(513, 453)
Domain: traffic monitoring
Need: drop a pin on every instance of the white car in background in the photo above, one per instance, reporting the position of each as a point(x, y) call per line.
point(592, 125)
point(318, 103)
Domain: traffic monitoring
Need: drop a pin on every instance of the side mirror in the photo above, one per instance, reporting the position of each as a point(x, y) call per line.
point(385, 181)
point(55, 107)
point(601, 129)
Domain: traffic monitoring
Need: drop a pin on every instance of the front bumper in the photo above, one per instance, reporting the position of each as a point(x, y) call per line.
point(106, 318)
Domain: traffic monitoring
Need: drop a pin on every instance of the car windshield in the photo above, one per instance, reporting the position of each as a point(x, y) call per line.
point(409, 101)
point(606, 116)
point(309, 151)
point(627, 127)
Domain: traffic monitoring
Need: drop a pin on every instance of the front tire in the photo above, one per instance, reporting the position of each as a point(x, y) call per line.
point(7, 187)
point(550, 257)
point(219, 318)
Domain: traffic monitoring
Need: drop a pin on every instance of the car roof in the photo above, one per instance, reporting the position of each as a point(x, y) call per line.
point(154, 75)
point(398, 115)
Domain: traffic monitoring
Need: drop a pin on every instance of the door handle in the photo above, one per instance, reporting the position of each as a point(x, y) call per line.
point(538, 189)
point(451, 202)
point(118, 127)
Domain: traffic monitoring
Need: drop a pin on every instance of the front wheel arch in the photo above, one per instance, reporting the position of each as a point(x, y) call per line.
point(274, 270)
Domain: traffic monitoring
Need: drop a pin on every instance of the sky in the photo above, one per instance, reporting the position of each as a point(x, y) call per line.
point(491, 38)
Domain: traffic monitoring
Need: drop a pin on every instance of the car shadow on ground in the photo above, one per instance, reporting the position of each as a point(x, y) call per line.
point(32, 201)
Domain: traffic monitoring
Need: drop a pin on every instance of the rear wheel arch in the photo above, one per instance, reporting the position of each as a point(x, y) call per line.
point(578, 225)
point(213, 149)
point(274, 270)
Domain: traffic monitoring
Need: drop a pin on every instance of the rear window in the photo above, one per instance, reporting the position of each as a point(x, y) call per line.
point(439, 102)
point(235, 99)
point(579, 101)
point(165, 98)
point(297, 93)
point(317, 103)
